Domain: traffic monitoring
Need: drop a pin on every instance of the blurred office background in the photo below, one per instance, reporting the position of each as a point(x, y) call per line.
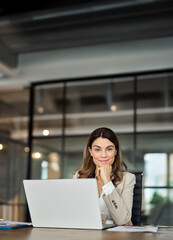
point(68, 67)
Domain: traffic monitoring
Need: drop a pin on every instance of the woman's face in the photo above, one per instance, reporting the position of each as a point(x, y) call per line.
point(103, 152)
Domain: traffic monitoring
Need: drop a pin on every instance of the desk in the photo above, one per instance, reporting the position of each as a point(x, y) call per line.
point(30, 233)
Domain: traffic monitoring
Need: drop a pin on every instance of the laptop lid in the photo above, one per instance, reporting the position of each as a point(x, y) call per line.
point(64, 203)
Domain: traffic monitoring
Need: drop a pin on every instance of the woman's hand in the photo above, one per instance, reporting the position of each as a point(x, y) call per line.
point(104, 173)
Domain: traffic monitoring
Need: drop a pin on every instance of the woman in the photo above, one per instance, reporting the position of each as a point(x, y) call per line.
point(103, 160)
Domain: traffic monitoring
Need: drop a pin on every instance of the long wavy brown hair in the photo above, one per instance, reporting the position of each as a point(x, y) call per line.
point(88, 167)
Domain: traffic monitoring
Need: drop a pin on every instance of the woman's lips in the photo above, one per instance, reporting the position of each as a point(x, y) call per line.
point(103, 161)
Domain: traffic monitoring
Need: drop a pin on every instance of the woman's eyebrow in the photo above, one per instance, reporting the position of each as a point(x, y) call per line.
point(110, 146)
point(96, 146)
point(106, 147)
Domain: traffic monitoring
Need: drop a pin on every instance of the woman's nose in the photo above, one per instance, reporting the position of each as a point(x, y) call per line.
point(103, 154)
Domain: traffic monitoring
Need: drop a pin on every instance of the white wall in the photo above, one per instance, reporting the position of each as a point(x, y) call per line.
point(94, 60)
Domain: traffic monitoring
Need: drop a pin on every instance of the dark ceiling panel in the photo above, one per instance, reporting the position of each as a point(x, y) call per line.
point(65, 24)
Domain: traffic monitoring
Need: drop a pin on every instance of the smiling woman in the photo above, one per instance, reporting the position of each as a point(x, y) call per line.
point(103, 160)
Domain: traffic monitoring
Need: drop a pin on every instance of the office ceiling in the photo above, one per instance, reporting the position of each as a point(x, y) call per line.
point(52, 25)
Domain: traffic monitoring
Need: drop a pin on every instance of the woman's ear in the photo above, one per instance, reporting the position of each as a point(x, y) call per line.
point(89, 149)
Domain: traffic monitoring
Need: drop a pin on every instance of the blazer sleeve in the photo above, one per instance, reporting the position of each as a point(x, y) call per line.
point(120, 201)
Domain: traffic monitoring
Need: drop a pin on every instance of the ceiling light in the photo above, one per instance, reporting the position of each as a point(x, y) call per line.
point(40, 110)
point(45, 132)
point(27, 149)
point(1, 147)
point(36, 155)
point(113, 108)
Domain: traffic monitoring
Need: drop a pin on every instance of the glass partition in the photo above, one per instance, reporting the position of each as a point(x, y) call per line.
point(46, 158)
point(170, 173)
point(74, 147)
point(14, 113)
point(48, 105)
point(13, 152)
point(93, 104)
point(158, 206)
point(154, 102)
point(47, 132)
point(155, 151)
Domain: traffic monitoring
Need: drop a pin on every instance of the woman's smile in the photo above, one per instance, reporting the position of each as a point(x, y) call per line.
point(104, 160)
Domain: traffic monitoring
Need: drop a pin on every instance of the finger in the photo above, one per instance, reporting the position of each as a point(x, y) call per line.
point(98, 172)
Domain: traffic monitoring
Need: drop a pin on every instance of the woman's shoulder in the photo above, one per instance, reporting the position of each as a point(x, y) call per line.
point(129, 177)
point(128, 174)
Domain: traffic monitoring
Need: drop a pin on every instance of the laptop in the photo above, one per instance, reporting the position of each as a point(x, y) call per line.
point(64, 203)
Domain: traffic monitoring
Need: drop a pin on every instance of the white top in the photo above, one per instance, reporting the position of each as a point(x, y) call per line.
point(107, 189)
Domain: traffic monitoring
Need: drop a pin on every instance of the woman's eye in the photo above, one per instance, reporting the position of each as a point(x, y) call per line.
point(109, 149)
point(97, 149)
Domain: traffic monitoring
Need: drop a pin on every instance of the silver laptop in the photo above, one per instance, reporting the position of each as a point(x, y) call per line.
point(64, 203)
